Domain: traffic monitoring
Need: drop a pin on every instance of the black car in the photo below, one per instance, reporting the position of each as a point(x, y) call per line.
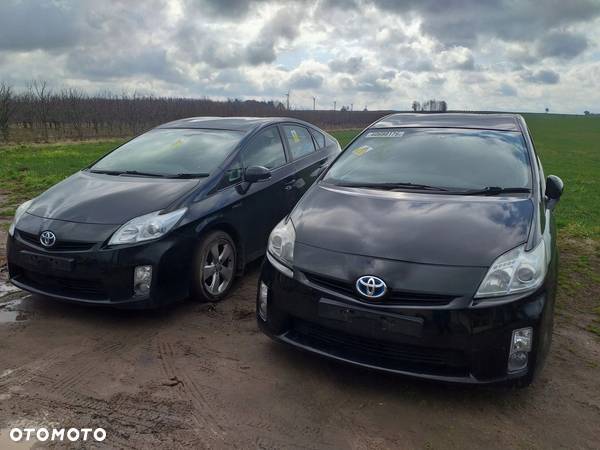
point(178, 210)
point(427, 248)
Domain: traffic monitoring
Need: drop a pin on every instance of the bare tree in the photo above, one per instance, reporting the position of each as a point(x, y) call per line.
point(42, 94)
point(7, 108)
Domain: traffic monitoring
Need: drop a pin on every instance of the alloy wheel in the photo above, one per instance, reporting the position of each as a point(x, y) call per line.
point(218, 267)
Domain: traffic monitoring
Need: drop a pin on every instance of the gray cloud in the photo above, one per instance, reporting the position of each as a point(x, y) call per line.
point(467, 64)
point(474, 53)
point(507, 90)
point(307, 80)
point(30, 24)
point(283, 26)
point(461, 22)
point(562, 44)
point(350, 65)
point(542, 77)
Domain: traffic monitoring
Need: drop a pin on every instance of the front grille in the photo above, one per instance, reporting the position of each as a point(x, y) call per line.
point(393, 297)
point(60, 245)
point(70, 287)
point(374, 352)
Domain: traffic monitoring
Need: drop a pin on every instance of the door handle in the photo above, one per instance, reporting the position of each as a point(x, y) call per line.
point(288, 187)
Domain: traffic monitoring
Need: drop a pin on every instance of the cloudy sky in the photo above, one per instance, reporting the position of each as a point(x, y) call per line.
point(476, 54)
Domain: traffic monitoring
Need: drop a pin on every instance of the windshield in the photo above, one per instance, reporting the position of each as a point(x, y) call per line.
point(171, 152)
point(449, 159)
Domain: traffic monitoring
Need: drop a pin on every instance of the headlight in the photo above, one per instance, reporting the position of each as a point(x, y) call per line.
point(18, 213)
point(515, 271)
point(281, 242)
point(146, 227)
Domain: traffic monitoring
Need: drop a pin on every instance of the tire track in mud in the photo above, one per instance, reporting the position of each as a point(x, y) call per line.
point(208, 428)
point(79, 365)
point(32, 370)
point(126, 418)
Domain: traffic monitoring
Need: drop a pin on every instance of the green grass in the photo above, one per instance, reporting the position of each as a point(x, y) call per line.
point(569, 147)
point(344, 136)
point(27, 170)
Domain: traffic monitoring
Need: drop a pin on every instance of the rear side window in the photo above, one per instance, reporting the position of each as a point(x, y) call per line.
point(319, 138)
point(299, 140)
point(266, 149)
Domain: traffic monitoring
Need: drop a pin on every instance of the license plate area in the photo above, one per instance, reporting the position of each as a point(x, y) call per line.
point(369, 319)
point(45, 263)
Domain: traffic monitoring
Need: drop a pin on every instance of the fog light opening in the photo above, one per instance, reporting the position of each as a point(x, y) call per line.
point(263, 300)
point(520, 346)
point(142, 279)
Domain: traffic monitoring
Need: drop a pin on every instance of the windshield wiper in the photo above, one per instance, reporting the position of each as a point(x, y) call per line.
point(152, 174)
point(107, 172)
point(129, 172)
point(188, 175)
point(392, 186)
point(496, 190)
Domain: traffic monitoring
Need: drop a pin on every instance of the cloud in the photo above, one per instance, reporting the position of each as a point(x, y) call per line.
point(542, 77)
point(306, 81)
point(46, 24)
point(562, 44)
point(384, 53)
point(349, 65)
point(463, 22)
point(507, 90)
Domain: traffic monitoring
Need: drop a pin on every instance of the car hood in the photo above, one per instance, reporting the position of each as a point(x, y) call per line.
point(107, 199)
point(414, 227)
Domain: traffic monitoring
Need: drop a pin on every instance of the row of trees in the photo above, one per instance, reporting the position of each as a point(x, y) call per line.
point(40, 113)
point(430, 106)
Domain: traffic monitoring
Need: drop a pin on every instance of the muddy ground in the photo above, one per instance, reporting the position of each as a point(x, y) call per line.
point(203, 376)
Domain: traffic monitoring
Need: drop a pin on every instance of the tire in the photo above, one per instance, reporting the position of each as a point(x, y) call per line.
point(214, 267)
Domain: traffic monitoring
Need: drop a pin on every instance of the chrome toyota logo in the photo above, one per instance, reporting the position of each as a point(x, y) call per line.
point(370, 286)
point(47, 238)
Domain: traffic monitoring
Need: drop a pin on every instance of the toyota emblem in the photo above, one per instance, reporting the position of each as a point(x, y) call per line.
point(47, 238)
point(371, 287)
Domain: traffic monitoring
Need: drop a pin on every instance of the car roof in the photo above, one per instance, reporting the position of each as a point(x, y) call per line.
point(502, 122)
point(244, 124)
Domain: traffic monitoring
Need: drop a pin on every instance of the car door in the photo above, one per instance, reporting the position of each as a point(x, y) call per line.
point(263, 203)
point(307, 160)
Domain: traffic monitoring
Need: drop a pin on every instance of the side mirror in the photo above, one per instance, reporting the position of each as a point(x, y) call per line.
point(554, 187)
point(257, 173)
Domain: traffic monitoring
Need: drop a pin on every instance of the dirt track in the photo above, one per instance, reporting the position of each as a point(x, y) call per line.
point(202, 376)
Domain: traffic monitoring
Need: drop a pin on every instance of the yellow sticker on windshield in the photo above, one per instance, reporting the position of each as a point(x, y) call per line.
point(178, 143)
point(295, 136)
point(362, 150)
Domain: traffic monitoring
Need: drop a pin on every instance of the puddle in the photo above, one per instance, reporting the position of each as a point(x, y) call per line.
point(7, 288)
point(9, 313)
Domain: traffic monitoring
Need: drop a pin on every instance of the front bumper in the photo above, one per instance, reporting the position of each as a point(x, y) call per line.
point(100, 275)
point(453, 344)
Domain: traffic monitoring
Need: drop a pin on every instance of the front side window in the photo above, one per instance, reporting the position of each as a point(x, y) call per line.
point(266, 149)
point(232, 175)
point(452, 159)
point(171, 152)
point(299, 141)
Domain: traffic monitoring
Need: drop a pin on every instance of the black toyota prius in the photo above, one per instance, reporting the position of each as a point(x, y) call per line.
point(177, 211)
point(427, 248)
